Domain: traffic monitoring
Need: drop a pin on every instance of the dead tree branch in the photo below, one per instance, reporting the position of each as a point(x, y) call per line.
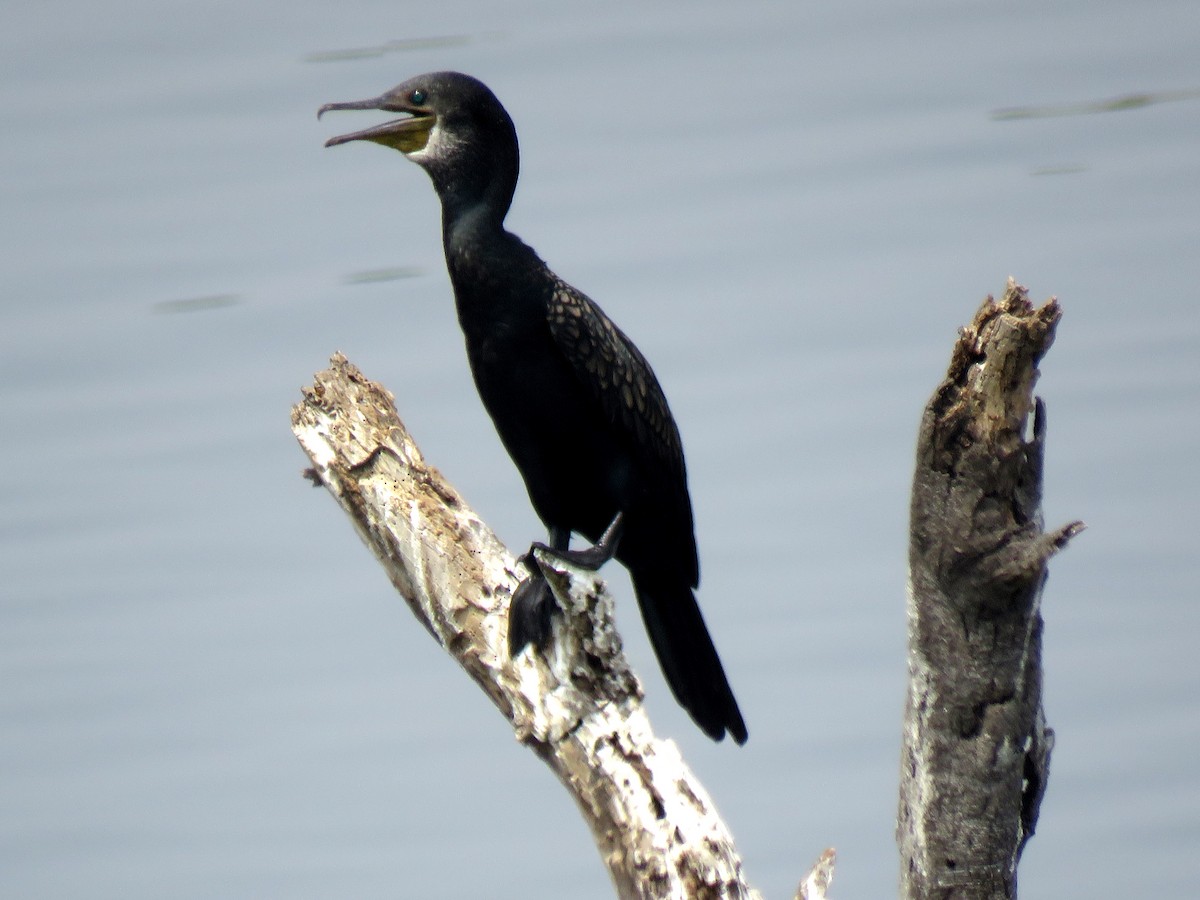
point(657, 830)
point(976, 748)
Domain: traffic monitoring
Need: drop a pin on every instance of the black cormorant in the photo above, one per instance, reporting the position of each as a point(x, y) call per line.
point(575, 403)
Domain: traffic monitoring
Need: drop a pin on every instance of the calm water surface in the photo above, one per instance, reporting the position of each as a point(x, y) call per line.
point(209, 690)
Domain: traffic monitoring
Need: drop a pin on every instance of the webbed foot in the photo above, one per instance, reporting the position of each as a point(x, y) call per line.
point(531, 613)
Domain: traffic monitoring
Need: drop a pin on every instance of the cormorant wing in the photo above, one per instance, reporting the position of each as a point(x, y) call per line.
point(617, 375)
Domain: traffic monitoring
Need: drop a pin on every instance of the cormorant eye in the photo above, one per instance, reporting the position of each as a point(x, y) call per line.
point(417, 97)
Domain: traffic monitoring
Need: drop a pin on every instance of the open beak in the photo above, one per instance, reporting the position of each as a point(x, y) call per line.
point(406, 135)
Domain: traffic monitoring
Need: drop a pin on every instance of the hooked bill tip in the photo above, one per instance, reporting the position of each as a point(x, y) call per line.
point(373, 103)
point(328, 106)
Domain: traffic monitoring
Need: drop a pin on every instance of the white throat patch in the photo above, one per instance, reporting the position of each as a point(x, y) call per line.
point(440, 145)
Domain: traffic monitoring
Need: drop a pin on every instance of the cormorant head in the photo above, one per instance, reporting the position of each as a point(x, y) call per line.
point(455, 129)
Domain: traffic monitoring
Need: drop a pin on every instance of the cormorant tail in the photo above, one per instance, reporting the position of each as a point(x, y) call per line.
point(688, 658)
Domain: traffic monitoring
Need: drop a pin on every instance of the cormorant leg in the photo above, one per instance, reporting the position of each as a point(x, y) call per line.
point(560, 539)
point(591, 558)
point(533, 605)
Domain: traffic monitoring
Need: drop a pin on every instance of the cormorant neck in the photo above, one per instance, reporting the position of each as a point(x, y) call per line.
point(475, 183)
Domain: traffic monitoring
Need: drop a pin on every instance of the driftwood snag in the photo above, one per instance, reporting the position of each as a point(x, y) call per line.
point(657, 830)
point(976, 748)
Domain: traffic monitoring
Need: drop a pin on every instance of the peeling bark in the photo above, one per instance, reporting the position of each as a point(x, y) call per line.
point(976, 748)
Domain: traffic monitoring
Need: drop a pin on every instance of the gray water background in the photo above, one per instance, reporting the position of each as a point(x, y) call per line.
point(207, 687)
